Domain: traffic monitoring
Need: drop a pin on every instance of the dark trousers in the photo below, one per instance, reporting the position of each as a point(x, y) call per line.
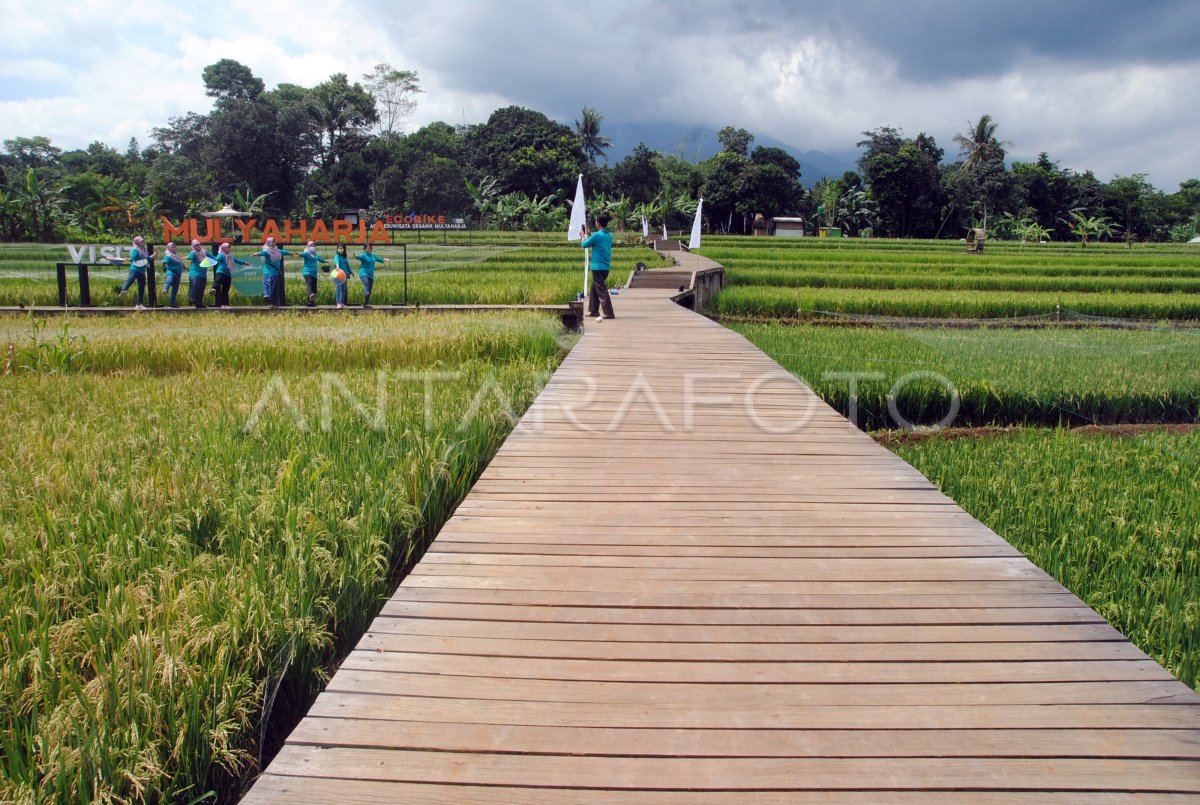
point(368, 285)
point(140, 278)
point(196, 286)
point(171, 286)
point(280, 297)
point(599, 295)
point(311, 283)
point(221, 283)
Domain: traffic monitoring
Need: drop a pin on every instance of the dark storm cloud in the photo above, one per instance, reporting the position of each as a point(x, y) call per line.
point(939, 40)
point(1100, 85)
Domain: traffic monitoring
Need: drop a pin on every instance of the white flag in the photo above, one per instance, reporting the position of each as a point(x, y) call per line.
point(645, 228)
point(578, 214)
point(694, 243)
point(664, 230)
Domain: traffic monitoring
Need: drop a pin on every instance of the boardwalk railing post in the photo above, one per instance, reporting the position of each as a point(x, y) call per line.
point(85, 286)
point(405, 275)
point(60, 270)
point(151, 285)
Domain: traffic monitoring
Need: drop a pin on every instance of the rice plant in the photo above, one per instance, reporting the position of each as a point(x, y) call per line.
point(200, 521)
point(1115, 520)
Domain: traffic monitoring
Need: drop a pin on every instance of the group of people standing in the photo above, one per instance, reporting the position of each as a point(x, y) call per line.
point(198, 261)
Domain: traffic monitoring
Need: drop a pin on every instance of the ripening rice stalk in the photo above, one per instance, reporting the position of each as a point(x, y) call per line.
point(165, 573)
point(1002, 376)
point(1114, 519)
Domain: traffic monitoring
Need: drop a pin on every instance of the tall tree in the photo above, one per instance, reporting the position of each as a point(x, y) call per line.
point(735, 141)
point(637, 175)
point(228, 80)
point(902, 175)
point(587, 127)
point(32, 152)
point(979, 143)
point(525, 151)
point(395, 93)
point(340, 107)
point(983, 160)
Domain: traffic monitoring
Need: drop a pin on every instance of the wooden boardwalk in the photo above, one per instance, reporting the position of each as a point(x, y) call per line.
point(663, 590)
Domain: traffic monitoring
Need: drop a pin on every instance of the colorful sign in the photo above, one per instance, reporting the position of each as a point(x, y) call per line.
point(415, 220)
point(212, 230)
point(248, 280)
point(215, 230)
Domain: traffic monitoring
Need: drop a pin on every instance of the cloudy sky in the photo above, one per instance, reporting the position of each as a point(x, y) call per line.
point(1106, 85)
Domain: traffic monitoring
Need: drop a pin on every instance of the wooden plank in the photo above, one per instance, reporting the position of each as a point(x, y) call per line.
point(732, 774)
point(489, 614)
point(482, 737)
point(649, 599)
point(278, 788)
point(964, 707)
point(602, 630)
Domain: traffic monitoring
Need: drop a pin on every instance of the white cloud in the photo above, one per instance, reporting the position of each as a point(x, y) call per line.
point(809, 75)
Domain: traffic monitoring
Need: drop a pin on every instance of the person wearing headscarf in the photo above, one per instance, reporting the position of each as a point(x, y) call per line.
point(139, 258)
point(340, 289)
point(223, 273)
point(197, 274)
point(272, 257)
point(173, 269)
point(311, 262)
point(366, 271)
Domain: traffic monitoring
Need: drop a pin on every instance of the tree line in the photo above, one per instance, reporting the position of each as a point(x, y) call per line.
point(297, 152)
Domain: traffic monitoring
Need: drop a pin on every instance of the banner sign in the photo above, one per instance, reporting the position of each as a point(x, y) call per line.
point(417, 221)
point(92, 251)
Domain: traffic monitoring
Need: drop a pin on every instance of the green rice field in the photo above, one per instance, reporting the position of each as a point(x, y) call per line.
point(1114, 519)
point(1033, 376)
point(781, 278)
point(200, 518)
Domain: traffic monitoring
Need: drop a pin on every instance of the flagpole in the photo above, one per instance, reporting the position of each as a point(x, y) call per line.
point(576, 227)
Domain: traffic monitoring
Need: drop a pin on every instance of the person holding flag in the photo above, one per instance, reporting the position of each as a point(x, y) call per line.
point(600, 243)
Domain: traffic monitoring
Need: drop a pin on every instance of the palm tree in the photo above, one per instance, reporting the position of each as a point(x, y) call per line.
point(979, 143)
point(588, 129)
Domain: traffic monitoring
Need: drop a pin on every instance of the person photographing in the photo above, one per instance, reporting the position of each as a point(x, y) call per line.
point(600, 242)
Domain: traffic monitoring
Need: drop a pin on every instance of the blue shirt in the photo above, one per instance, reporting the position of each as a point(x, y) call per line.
point(366, 264)
point(172, 265)
point(194, 268)
point(272, 269)
point(601, 245)
point(310, 263)
point(135, 256)
point(340, 261)
point(222, 266)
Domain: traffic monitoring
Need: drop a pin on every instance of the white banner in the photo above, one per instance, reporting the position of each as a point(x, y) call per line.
point(694, 243)
point(578, 214)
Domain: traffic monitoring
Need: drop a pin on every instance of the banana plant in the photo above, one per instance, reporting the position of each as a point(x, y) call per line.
point(1091, 227)
point(247, 202)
